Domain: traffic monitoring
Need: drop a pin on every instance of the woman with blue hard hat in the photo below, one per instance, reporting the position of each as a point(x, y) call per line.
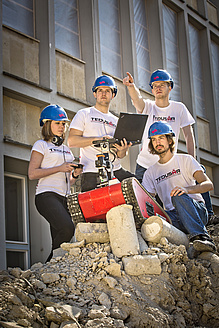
point(51, 164)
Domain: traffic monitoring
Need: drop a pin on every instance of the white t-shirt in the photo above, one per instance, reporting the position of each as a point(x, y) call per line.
point(94, 123)
point(53, 156)
point(176, 115)
point(162, 178)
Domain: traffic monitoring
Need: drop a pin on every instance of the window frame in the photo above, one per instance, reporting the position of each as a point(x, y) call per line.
point(56, 23)
point(21, 246)
point(27, 33)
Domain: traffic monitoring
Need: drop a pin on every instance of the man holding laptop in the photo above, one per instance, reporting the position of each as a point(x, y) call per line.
point(96, 123)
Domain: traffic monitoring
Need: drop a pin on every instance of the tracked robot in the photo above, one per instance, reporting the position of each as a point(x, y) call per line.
point(92, 206)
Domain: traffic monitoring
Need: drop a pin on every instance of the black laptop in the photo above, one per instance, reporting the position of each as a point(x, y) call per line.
point(131, 127)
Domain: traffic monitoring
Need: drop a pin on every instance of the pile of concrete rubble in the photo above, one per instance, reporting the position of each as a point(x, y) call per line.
point(99, 281)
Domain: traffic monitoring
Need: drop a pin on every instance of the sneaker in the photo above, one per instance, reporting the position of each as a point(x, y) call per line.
point(204, 243)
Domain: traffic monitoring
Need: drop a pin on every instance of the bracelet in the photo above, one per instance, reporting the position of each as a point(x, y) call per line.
point(74, 176)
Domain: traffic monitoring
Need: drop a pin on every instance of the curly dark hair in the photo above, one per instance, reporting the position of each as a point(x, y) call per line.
point(171, 141)
point(47, 132)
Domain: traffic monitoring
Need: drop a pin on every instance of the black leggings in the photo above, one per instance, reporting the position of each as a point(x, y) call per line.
point(53, 207)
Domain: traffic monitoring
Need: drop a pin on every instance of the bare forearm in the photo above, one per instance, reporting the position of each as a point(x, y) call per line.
point(136, 97)
point(80, 142)
point(42, 173)
point(190, 140)
point(200, 188)
point(190, 145)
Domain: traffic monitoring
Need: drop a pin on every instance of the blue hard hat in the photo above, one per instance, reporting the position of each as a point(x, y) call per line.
point(53, 113)
point(106, 81)
point(160, 128)
point(161, 75)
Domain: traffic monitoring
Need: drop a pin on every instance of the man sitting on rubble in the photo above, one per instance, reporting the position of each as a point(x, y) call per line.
point(174, 178)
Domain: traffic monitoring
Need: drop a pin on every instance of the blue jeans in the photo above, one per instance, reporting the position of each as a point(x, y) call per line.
point(207, 198)
point(189, 215)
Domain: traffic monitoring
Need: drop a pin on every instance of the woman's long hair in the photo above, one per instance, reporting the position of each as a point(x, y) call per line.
point(171, 141)
point(47, 132)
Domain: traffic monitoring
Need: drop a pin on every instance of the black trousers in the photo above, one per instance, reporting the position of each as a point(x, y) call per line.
point(53, 207)
point(89, 179)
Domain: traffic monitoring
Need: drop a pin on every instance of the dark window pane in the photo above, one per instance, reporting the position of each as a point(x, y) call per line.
point(110, 37)
point(14, 216)
point(15, 259)
point(66, 27)
point(194, 38)
point(142, 44)
point(18, 15)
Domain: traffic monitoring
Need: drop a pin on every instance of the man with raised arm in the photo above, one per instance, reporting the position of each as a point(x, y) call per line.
point(162, 109)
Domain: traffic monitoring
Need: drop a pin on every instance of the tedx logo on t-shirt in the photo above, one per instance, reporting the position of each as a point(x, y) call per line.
point(59, 150)
point(103, 121)
point(168, 175)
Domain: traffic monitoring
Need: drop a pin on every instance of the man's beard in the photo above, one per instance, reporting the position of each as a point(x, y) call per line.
point(162, 151)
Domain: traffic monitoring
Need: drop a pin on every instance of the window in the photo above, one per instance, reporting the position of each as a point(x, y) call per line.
point(142, 45)
point(66, 27)
point(18, 14)
point(16, 220)
point(171, 49)
point(110, 37)
point(215, 64)
point(197, 70)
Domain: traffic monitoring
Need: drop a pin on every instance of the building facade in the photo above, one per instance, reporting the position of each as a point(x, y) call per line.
point(53, 50)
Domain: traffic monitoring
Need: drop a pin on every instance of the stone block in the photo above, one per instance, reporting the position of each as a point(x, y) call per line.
point(122, 231)
point(17, 57)
point(67, 81)
point(32, 61)
point(92, 232)
point(141, 264)
point(79, 78)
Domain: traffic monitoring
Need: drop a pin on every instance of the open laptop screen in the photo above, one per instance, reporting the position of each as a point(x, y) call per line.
point(131, 127)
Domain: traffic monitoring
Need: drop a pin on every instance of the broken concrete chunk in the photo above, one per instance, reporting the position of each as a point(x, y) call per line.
point(154, 228)
point(92, 232)
point(142, 264)
point(122, 231)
